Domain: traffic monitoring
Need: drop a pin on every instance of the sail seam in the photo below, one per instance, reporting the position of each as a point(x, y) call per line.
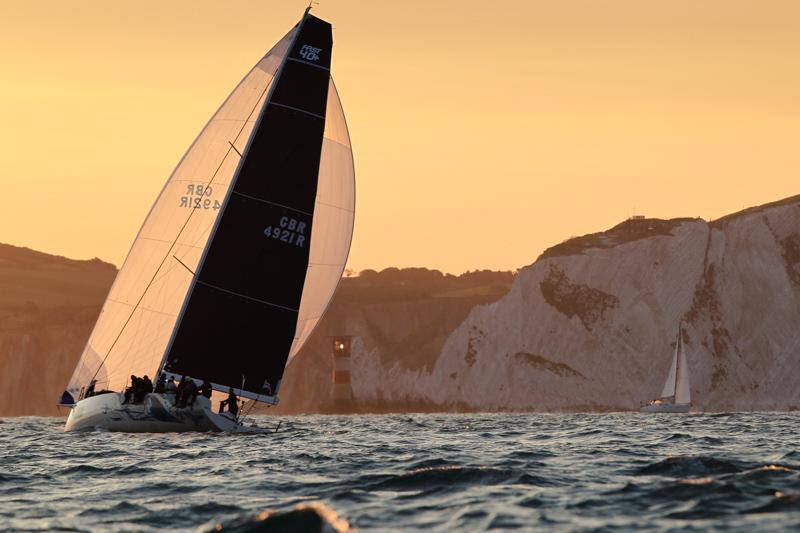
point(171, 242)
point(320, 202)
point(298, 110)
point(142, 307)
point(273, 203)
point(326, 69)
point(331, 139)
point(325, 264)
point(209, 285)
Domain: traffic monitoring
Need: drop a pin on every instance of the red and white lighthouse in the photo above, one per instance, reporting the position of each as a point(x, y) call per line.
point(341, 369)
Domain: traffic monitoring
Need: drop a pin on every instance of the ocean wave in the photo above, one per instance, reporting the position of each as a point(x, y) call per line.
point(14, 478)
point(454, 476)
point(89, 470)
point(686, 466)
point(121, 508)
point(311, 517)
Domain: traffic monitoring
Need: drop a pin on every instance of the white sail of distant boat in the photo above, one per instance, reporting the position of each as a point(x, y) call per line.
point(676, 396)
point(239, 257)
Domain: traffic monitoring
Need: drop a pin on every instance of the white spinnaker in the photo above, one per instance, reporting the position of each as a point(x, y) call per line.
point(682, 392)
point(334, 215)
point(669, 385)
point(141, 310)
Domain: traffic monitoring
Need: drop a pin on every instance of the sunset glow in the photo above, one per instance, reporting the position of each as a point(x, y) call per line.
point(483, 132)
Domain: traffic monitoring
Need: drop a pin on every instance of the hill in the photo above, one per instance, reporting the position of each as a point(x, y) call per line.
point(48, 305)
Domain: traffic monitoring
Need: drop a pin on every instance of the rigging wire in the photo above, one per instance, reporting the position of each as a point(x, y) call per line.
point(246, 414)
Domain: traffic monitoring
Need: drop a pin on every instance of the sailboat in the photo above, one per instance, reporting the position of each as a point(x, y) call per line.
point(239, 256)
point(676, 397)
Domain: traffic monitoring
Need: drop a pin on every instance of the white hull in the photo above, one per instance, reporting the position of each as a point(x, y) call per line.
point(156, 415)
point(666, 407)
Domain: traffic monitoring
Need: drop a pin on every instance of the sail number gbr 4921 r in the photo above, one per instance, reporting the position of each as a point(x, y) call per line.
point(288, 230)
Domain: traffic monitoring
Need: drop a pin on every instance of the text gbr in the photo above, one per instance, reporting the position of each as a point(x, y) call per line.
point(194, 198)
point(288, 230)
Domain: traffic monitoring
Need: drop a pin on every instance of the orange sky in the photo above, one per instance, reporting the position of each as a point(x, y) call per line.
point(483, 131)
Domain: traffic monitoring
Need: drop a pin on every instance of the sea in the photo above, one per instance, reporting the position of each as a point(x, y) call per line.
point(406, 472)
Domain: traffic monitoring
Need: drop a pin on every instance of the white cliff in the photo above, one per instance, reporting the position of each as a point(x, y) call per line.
point(591, 324)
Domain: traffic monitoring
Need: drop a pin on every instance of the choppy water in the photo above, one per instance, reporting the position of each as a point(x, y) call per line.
point(441, 472)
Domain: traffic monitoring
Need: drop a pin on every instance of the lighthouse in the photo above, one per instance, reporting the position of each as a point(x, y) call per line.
point(341, 391)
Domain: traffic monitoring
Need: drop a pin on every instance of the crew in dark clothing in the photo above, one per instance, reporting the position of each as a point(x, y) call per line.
point(90, 389)
point(179, 400)
point(232, 402)
point(130, 392)
point(189, 393)
point(161, 383)
point(142, 387)
point(205, 388)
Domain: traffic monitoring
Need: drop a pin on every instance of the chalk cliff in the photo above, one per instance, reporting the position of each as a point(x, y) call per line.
point(592, 323)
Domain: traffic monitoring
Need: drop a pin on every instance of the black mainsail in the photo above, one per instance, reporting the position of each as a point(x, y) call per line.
point(241, 313)
point(241, 253)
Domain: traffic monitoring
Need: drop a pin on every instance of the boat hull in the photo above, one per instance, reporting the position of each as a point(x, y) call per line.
point(156, 415)
point(666, 408)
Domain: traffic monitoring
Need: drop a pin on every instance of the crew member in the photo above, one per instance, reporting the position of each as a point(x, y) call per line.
point(161, 383)
point(232, 402)
point(147, 385)
point(179, 398)
point(189, 393)
point(205, 389)
point(130, 392)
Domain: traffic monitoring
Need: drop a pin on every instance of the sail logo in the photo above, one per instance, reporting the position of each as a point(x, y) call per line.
point(309, 53)
point(288, 230)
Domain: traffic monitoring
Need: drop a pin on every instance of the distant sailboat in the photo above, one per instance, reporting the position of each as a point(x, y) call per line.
point(239, 256)
point(676, 396)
